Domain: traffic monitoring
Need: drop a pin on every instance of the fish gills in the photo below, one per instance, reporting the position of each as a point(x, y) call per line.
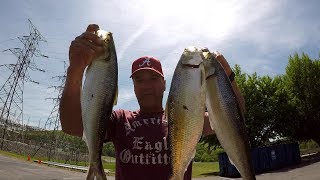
point(185, 110)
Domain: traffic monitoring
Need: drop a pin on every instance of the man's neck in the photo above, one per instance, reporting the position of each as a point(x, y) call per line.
point(151, 110)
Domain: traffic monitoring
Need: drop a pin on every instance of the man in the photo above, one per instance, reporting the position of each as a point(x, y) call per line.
point(139, 137)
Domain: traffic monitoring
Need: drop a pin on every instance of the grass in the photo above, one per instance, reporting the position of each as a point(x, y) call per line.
point(10, 154)
point(199, 169)
point(110, 166)
point(203, 169)
point(23, 157)
point(307, 147)
point(108, 159)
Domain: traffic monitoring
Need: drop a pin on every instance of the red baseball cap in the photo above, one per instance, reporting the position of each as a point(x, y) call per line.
point(147, 62)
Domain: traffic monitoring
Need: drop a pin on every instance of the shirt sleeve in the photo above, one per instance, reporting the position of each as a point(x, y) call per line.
point(111, 125)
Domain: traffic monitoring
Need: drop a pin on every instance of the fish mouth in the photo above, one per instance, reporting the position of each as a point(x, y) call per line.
point(192, 65)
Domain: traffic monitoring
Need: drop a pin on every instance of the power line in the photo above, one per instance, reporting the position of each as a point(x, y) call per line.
point(8, 40)
point(53, 138)
point(11, 99)
point(53, 120)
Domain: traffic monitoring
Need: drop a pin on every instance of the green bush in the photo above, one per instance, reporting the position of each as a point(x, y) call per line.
point(308, 145)
point(206, 154)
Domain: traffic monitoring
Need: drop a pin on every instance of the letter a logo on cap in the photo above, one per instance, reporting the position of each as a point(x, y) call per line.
point(146, 61)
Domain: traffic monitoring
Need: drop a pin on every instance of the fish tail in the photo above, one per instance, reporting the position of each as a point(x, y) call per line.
point(96, 170)
point(176, 177)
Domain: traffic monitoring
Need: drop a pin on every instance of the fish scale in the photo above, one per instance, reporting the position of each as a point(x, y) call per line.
point(185, 110)
point(226, 118)
point(97, 99)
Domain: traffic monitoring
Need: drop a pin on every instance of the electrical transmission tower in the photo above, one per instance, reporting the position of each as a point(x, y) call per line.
point(52, 125)
point(11, 92)
point(54, 139)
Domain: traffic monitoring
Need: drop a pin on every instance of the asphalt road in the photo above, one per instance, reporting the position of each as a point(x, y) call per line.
point(14, 169)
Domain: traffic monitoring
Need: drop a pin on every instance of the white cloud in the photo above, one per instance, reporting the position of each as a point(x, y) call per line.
point(125, 95)
point(258, 35)
point(131, 39)
point(173, 21)
point(36, 105)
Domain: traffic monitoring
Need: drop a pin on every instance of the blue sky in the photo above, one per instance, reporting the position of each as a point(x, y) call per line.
point(257, 35)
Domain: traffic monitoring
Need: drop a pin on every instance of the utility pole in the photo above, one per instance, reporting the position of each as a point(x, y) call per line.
point(11, 93)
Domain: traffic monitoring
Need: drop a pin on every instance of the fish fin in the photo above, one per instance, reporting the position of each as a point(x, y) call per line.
point(191, 159)
point(115, 100)
point(193, 156)
point(90, 175)
point(176, 177)
point(211, 122)
point(84, 136)
point(96, 171)
point(231, 162)
point(166, 110)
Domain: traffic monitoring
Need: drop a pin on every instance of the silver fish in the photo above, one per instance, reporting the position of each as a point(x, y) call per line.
point(97, 99)
point(225, 116)
point(185, 110)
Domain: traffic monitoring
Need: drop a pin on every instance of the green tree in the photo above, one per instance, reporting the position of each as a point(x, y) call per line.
point(269, 115)
point(302, 81)
point(283, 107)
point(260, 116)
point(284, 112)
point(108, 149)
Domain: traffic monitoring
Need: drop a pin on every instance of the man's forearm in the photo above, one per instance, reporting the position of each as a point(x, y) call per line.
point(70, 106)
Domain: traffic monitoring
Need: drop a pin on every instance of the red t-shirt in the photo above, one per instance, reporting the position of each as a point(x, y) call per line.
point(142, 150)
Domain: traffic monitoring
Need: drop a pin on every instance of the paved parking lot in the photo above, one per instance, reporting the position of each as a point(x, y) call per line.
point(14, 169)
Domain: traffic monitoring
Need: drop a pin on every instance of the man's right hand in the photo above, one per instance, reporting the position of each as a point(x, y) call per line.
point(85, 48)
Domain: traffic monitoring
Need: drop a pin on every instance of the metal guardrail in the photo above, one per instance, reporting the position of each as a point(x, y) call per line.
point(69, 166)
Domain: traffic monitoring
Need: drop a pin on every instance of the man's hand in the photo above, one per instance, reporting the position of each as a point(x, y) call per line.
point(85, 48)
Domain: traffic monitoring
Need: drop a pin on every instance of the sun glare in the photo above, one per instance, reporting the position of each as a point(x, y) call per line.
point(213, 19)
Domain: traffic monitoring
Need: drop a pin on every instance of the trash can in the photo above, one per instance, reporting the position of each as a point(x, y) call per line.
point(263, 159)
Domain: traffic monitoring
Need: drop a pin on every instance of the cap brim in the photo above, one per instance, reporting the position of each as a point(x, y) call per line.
point(146, 68)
